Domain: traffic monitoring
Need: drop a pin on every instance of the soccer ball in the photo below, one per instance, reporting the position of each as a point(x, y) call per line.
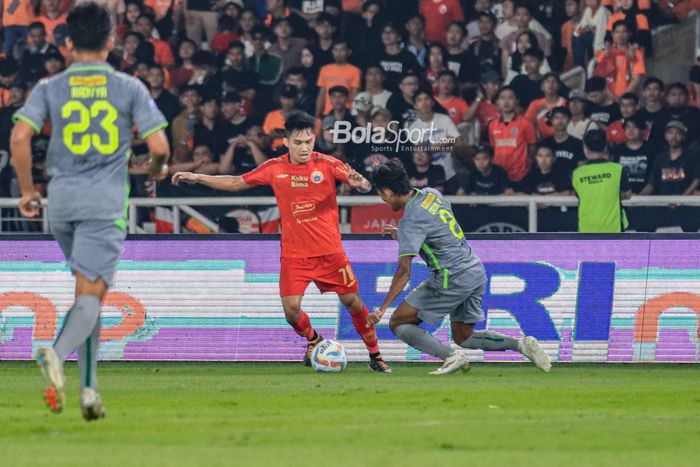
point(329, 357)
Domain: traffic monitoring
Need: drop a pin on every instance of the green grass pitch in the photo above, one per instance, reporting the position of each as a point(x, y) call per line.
point(222, 414)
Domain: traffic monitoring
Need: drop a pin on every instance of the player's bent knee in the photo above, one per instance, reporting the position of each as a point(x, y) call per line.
point(352, 302)
point(461, 332)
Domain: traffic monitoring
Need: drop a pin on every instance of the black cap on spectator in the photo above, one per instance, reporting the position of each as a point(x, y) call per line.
point(596, 83)
point(490, 76)
point(289, 91)
point(595, 140)
point(232, 97)
point(278, 21)
point(695, 74)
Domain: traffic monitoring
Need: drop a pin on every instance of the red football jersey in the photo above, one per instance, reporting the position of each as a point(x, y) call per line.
point(306, 198)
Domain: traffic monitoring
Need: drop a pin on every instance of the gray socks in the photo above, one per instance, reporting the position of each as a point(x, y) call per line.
point(78, 325)
point(489, 340)
point(87, 358)
point(422, 340)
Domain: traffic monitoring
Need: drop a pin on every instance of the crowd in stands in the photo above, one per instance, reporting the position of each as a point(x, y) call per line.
point(479, 80)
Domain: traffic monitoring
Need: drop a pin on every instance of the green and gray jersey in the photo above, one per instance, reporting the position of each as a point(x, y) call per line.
point(92, 110)
point(429, 229)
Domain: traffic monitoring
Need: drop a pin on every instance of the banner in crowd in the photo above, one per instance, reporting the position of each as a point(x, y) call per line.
point(586, 300)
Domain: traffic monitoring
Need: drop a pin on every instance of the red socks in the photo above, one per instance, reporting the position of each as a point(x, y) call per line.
point(366, 332)
point(303, 326)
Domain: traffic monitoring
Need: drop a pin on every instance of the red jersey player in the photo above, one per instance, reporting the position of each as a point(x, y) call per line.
point(304, 183)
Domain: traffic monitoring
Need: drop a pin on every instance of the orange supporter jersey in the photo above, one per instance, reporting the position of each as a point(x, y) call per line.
point(537, 114)
point(642, 21)
point(618, 68)
point(17, 13)
point(339, 75)
point(455, 107)
point(160, 7)
point(510, 141)
point(306, 197)
point(274, 121)
point(50, 25)
point(163, 54)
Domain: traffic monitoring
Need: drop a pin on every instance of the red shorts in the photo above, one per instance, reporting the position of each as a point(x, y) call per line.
point(331, 273)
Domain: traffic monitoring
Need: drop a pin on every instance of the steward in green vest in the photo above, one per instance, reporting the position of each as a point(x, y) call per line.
point(600, 186)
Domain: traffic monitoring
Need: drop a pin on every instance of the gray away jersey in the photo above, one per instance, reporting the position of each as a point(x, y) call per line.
point(92, 110)
point(429, 229)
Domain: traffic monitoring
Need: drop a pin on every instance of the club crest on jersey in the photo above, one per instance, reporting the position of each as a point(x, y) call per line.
point(316, 176)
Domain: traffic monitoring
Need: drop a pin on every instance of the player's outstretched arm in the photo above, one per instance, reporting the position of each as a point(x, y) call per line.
point(358, 182)
point(217, 182)
point(21, 149)
point(398, 284)
point(159, 150)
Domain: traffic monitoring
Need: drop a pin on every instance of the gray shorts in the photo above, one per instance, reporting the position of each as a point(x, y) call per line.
point(461, 300)
point(92, 247)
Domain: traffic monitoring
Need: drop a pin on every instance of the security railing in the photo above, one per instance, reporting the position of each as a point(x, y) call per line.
point(186, 206)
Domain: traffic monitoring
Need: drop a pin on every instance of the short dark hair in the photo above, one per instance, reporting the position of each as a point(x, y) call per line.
point(392, 176)
point(226, 23)
point(236, 45)
point(146, 14)
point(423, 90)
point(340, 41)
point(489, 15)
point(679, 86)
point(653, 80)
point(89, 27)
point(299, 121)
point(534, 52)
point(630, 96)
point(339, 90)
point(297, 70)
point(460, 25)
point(595, 83)
point(449, 73)
point(619, 23)
point(486, 149)
point(507, 88)
point(37, 25)
point(636, 120)
point(561, 110)
point(595, 140)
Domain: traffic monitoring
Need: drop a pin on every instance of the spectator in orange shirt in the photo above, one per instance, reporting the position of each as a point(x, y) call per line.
point(539, 108)
point(621, 64)
point(438, 15)
point(457, 108)
point(17, 15)
point(163, 54)
point(274, 121)
point(573, 13)
point(629, 104)
point(225, 35)
point(340, 73)
point(51, 16)
point(637, 24)
point(512, 136)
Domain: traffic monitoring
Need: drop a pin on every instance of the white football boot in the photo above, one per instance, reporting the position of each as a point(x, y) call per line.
point(529, 347)
point(52, 370)
point(455, 362)
point(91, 405)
